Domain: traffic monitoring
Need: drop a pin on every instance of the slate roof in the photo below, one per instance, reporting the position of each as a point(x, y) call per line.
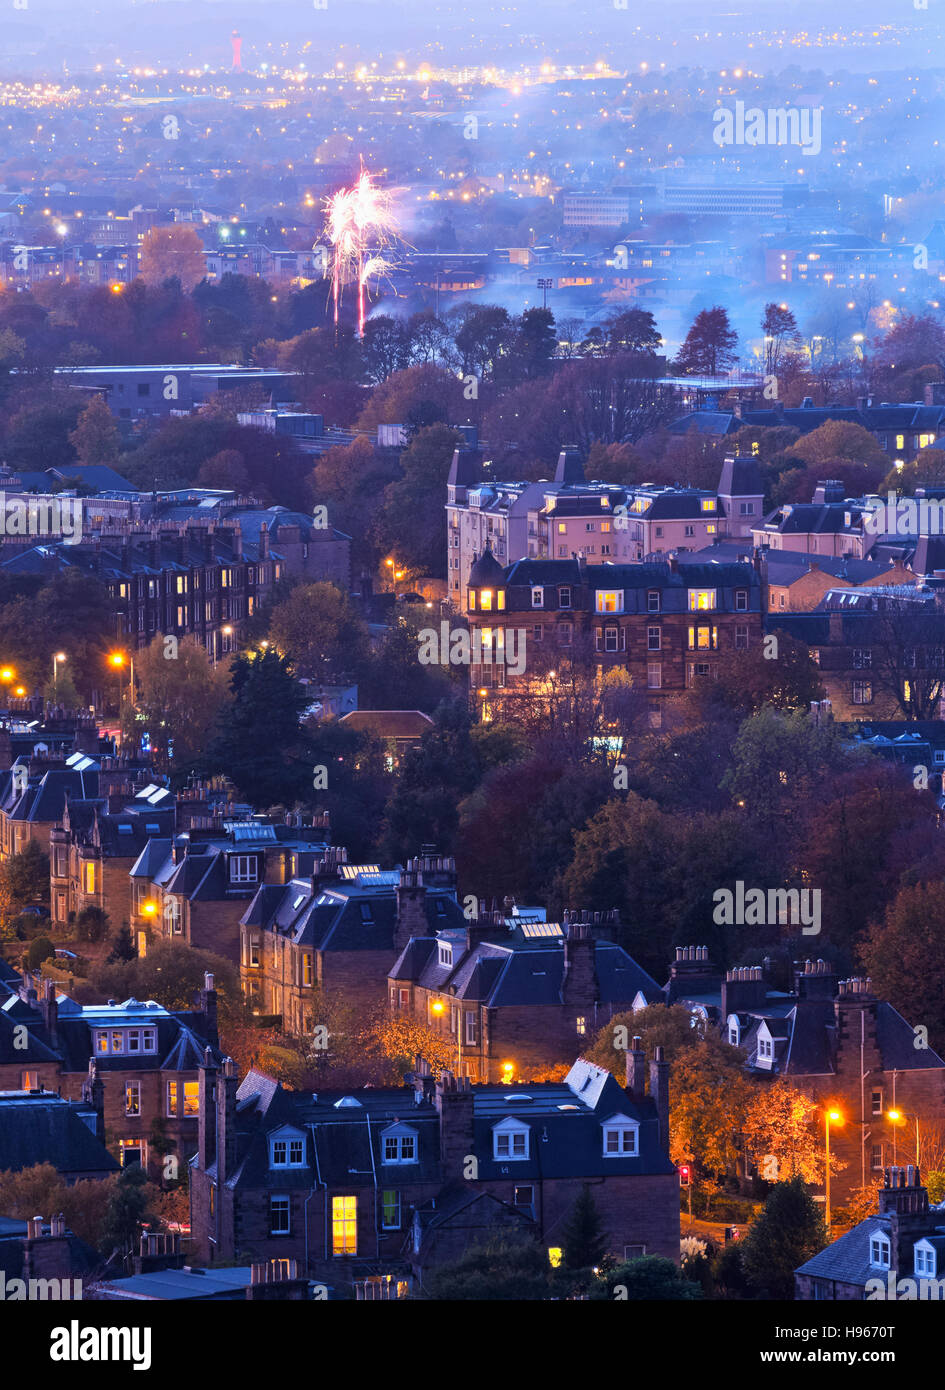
point(43, 1128)
point(809, 1031)
point(848, 1259)
point(350, 915)
point(633, 580)
point(564, 1118)
point(511, 971)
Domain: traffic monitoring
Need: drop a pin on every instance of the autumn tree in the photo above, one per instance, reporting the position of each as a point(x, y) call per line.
point(780, 1133)
point(179, 694)
point(173, 252)
point(710, 1096)
point(321, 631)
point(838, 439)
point(96, 439)
point(904, 958)
point(673, 1029)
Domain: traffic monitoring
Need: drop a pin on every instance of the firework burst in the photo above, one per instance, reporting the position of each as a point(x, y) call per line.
point(362, 230)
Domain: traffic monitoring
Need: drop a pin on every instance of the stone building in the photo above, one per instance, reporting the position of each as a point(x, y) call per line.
point(340, 928)
point(379, 1187)
point(136, 1062)
point(518, 996)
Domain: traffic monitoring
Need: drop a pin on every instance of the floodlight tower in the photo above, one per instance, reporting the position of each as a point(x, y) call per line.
point(237, 51)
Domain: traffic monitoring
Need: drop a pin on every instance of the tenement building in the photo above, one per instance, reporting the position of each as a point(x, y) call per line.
point(665, 622)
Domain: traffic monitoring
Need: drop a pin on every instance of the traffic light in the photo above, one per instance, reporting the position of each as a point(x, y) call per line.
point(685, 1176)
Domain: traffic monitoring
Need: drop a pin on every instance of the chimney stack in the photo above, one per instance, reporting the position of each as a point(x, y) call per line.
point(659, 1094)
point(636, 1071)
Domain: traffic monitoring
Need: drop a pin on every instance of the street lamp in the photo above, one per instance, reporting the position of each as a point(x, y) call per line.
point(837, 1119)
point(7, 674)
point(57, 657)
point(897, 1116)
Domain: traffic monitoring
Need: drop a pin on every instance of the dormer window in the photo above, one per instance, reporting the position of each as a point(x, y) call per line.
point(399, 1145)
point(510, 1140)
point(764, 1048)
point(734, 1030)
point(287, 1149)
point(564, 596)
point(244, 868)
point(445, 953)
point(538, 598)
point(609, 600)
point(702, 600)
point(925, 1261)
point(621, 1137)
point(879, 1250)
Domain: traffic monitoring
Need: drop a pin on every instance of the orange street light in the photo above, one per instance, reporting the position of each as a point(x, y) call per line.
point(149, 908)
point(20, 690)
point(830, 1117)
point(7, 674)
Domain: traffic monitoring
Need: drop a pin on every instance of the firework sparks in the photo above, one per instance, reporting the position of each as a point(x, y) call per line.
point(361, 229)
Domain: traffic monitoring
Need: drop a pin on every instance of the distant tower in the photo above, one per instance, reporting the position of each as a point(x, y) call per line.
point(237, 51)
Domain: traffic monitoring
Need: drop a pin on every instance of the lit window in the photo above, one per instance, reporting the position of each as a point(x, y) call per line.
point(172, 1099)
point(703, 638)
point(89, 878)
point(701, 600)
point(609, 601)
point(485, 600)
point(390, 1208)
point(191, 1097)
point(708, 504)
point(306, 969)
point(580, 1025)
point(132, 1097)
point(554, 1256)
point(862, 692)
point(344, 1225)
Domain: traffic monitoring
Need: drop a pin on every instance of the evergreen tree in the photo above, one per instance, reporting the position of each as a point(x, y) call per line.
point(650, 1279)
point(123, 945)
point(584, 1240)
point(788, 1231)
point(259, 744)
point(129, 1207)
